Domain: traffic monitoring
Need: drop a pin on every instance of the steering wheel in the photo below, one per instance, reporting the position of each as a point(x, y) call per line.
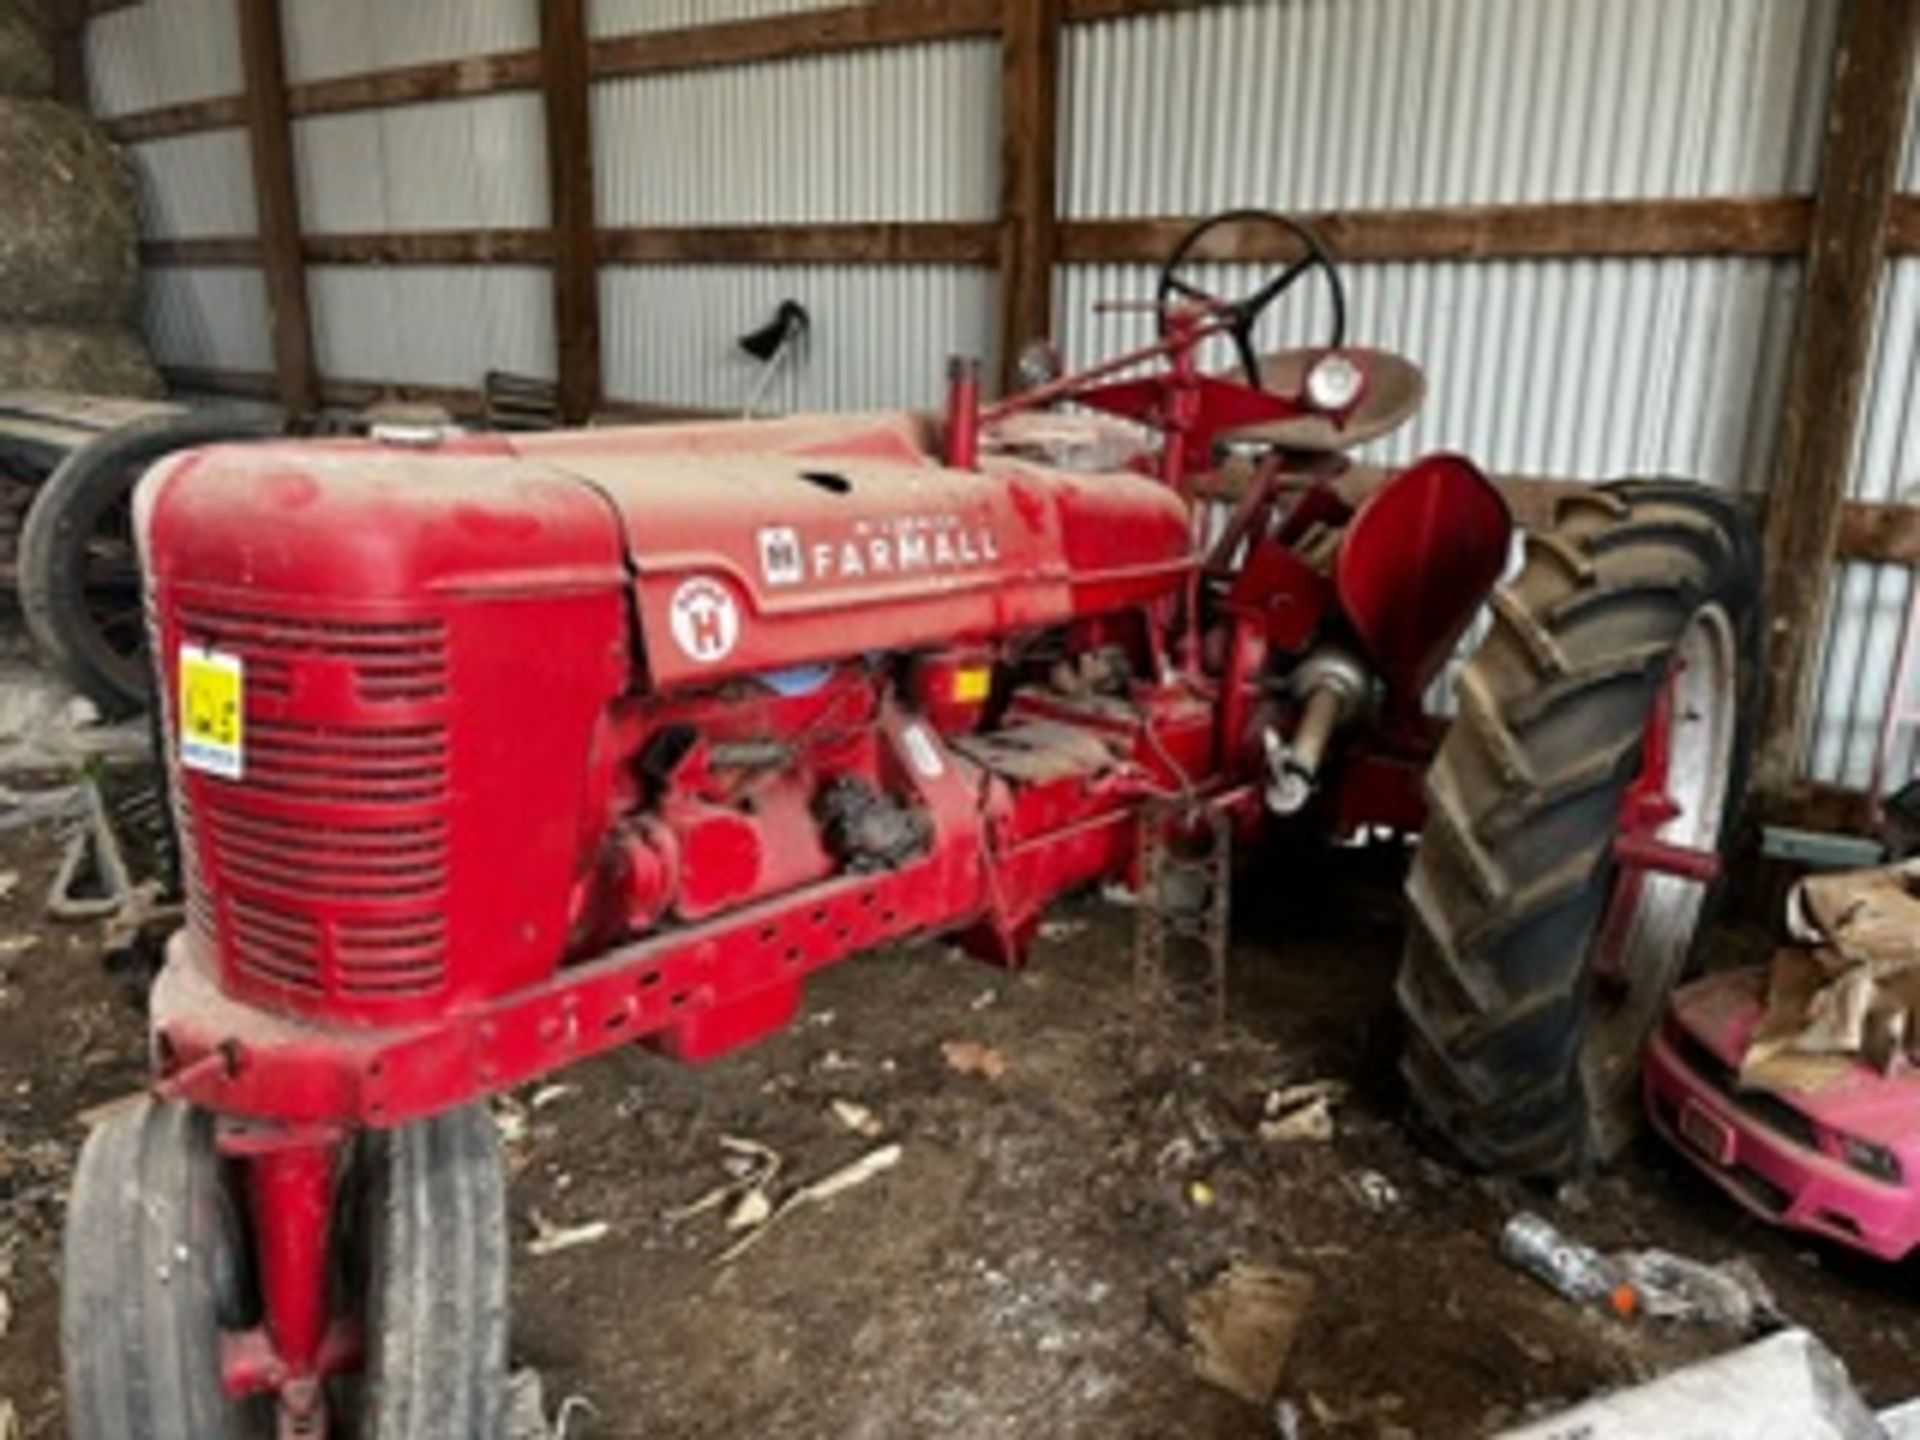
point(1243, 314)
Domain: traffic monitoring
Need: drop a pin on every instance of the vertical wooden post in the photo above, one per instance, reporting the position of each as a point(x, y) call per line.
point(67, 40)
point(1873, 78)
point(1029, 166)
point(576, 276)
point(263, 59)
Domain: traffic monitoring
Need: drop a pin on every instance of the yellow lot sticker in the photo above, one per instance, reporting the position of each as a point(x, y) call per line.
point(213, 693)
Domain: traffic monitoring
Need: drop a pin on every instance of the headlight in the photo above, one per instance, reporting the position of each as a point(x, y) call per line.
point(1871, 1159)
point(1335, 382)
point(1038, 364)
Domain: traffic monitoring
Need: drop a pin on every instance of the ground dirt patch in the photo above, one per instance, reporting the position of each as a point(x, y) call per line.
point(1021, 1270)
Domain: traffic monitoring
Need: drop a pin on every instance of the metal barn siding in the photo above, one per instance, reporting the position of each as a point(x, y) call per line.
point(907, 133)
point(880, 335)
point(1868, 603)
point(163, 52)
point(898, 134)
point(1584, 369)
point(451, 164)
point(478, 162)
point(329, 38)
point(1315, 104)
point(207, 318)
point(431, 324)
point(1571, 368)
point(192, 185)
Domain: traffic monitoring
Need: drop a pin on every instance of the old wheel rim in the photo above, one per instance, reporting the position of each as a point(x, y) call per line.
point(1648, 930)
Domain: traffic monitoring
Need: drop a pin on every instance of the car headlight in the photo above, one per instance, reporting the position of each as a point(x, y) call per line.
point(1335, 382)
point(1871, 1159)
point(1038, 363)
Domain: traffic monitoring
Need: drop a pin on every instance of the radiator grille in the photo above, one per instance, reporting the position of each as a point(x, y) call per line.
point(392, 660)
point(330, 858)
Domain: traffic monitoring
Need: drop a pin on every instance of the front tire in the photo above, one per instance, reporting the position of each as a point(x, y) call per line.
point(1528, 991)
point(156, 1267)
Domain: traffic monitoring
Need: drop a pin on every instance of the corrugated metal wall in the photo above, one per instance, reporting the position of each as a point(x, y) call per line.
point(1869, 604)
point(452, 164)
point(1579, 368)
point(168, 52)
point(1585, 368)
point(898, 134)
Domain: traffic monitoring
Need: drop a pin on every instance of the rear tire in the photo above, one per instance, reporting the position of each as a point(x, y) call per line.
point(156, 1267)
point(95, 637)
point(1516, 1058)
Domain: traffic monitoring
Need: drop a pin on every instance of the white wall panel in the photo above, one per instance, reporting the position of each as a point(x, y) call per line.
point(455, 163)
point(1867, 608)
point(1582, 369)
point(431, 325)
point(329, 38)
point(211, 318)
point(880, 337)
point(899, 134)
point(1313, 104)
point(199, 184)
point(163, 52)
point(1868, 605)
point(625, 17)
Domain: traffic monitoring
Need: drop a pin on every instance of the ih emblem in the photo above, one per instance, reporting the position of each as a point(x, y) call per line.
point(705, 621)
point(780, 559)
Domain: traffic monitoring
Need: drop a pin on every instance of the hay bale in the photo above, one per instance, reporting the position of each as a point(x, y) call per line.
point(102, 360)
point(26, 60)
point(67, 249)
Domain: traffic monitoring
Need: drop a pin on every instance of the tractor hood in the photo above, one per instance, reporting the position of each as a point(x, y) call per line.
point(759, 546)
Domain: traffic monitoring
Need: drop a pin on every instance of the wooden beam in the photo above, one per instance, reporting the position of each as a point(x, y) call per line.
point(1875, 55)
point(66, 26)
point(202, 250)
point(1029, 165)
point(1878, 533)
point(882, 243)
point(211, 380)
point(1811, 805)
point(1903, 226)
point(576, 274)
point(412, 84)
point(432, 247)
point(1560, 231)
point(358, 394)
point(263, 60)
point(788, 37)
point(223, 112)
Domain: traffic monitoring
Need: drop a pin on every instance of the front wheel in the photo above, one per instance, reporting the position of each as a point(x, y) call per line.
point(158, 1271)
point(1576, 811)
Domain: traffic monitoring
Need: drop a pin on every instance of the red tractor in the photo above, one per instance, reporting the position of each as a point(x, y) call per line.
point(490, 754)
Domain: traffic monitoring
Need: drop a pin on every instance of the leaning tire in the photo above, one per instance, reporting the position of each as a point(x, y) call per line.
point(91, 633)
point(1518, 1057)
point(156, 1268)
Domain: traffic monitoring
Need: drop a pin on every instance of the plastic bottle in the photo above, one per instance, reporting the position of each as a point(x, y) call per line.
point(1565, 1266)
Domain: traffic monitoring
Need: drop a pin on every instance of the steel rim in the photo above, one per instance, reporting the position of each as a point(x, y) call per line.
point(1654, 918)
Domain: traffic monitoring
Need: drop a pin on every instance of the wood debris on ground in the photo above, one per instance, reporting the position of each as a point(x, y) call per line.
point(970, 1057)
point(1241, 1326)
point(550, 1238)
point(1301, 1112)
point(836, 1182)
point(856, 1117)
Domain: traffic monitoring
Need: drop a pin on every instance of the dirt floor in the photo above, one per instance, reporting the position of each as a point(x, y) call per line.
point(1023, 1268)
